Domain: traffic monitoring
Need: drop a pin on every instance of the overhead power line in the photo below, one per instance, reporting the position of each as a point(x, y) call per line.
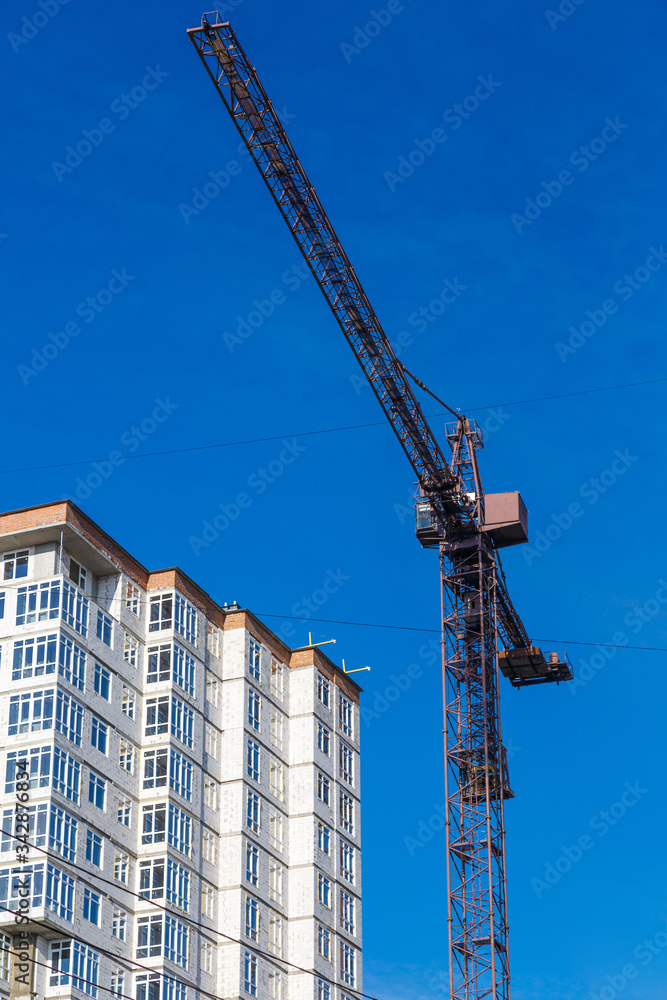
point(324, 430)
point(436, 631)
point(70, 867)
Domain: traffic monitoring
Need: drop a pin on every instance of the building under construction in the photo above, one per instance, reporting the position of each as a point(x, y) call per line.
point(188, 786)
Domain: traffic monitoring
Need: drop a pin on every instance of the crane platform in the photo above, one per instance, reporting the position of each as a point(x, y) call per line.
point(528, 665)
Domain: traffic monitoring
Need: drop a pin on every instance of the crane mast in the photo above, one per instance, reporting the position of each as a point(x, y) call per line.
point(453, 515)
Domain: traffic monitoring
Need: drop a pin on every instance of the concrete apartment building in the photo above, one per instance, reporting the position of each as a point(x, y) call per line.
point(193, 799)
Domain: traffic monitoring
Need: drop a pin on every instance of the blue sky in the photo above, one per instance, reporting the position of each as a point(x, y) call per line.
point(543, 206)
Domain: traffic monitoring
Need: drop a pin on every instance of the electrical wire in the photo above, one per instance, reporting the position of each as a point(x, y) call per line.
point(325, 430)
point(45, 965)
point(437, 631)
point(70, 867)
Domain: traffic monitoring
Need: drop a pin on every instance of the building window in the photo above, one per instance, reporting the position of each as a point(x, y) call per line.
point(75, 608)
point(275, 829)
point(15, 564)
point(161, 612)
point(155, 768)
point(34, 657)
point(26, 824)
point(72, 663)
point(119, 923)
point(154, 823)
point(207, 901)
point(347, 957)
point(323, 990)
point(210, 741)
point(210, 793)
point(128, 702)
point(121, 867)
point(147, 987)
point(323, 691)
point(77, 574)
point(41, 603)
point(69, 718)
point(345, 715)
point(117, 981)
point(346, 812)
point(180, 775)
point(184, 670)
point(323, 788)
point(99, 735)
point(254, 659)
point(346, 763)
point(30, 712)
point(207, 957)
point(182, 721)
point(157, 716)
point(126, 755)
point(323, 739)
point(347, 861)
point(75, 963)
point(186, 619)
point(251, 863)
point(176, 941)
point(253, 759)
point(275, 984)
point(91, 906)
point(37, 761)
point(178, 885)
point(275, 933)
point(132, 598)
point(149, 936)
point(251, 918)
point(324, 942)
point(102, 681)
point(159, 663)
point(212, 689)
point(63, 832)
point(130, 648)
point(124, 812)
point(208, 846)
point(173, 989)
point(250, 973)
point(324, 890)
point(151, 878)
point(94, 848)
point(66, 775)
point(6, 947)
point(253, 813)
point(254, 707)
point(28, 879)
point(103, 627)
point(97, 788)
point(213, 640)
point(324, 839)
point(275, 882)
point(276, 778)
point(179, 834)
point(276, 727)
point(347, 911)
point(277, 679)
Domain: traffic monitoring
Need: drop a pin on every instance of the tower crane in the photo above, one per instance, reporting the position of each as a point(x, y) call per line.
point(482, 634)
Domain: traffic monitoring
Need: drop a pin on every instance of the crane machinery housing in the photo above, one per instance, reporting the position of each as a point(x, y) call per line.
point(481, 630)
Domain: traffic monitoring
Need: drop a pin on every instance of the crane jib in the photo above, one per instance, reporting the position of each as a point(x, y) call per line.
point(270, 148)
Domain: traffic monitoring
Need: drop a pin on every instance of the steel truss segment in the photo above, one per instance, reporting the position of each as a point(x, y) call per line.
point(477, 781)
point(261, 130)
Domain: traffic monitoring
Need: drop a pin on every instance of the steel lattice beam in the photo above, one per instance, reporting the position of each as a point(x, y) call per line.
point(476, 608)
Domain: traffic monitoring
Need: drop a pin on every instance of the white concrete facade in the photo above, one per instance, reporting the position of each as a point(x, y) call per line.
point(194, 785)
